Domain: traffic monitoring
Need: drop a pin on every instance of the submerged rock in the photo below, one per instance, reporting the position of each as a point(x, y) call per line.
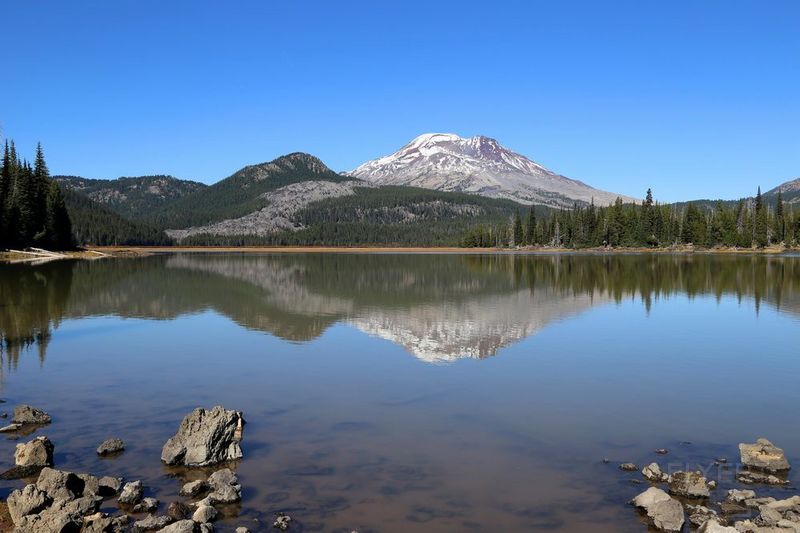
point(19, 472)
point(664, 512)
point(688, 485)
point(10, 427)
point(699, 515)
point(753, 478)
point(25, 414)
point(179, 510)
point(282, 521)
point(763, 455)
point(38, 452)
point(628, 467)
point(205, 438)
point(110, 447)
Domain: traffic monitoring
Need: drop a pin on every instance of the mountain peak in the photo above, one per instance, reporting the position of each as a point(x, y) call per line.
point(479, 165)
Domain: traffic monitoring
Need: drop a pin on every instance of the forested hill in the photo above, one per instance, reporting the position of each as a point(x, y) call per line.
point(131, 197)
point(93, 223)
point(242, 192)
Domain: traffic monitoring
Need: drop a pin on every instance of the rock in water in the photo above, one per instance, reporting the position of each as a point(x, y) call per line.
point(628, 467)
point(688, 485)
point(714, 526)
point(224, 488)
point(205, 438)
point(131, 493)
point(653, 473)
point(763, 455)
point(204, 514)
point(110, 446)
point(38, 452)
point(152, 523)
point(664, 512)
point(25, 414)
point(282, 522)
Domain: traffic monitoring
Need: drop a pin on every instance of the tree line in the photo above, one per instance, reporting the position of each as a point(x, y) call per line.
point(751, 223)
point(32, 208)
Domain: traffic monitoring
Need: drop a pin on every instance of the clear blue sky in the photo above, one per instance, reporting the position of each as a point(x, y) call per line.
point(696, 98)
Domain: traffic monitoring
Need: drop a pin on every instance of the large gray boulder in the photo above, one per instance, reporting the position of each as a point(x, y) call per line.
point(60, 485)
point(763, 455)
point(29, 500)
point(664, 512)
point(38, 452)
point(205, 438)
point(25, 414)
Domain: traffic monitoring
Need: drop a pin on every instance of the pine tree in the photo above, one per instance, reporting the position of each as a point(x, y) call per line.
point(530, 234)
point(760, 226)
point(58, 227)
point(780, 219)
point(517, 230)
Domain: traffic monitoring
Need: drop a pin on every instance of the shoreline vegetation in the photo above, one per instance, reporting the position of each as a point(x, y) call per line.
point(38, 255)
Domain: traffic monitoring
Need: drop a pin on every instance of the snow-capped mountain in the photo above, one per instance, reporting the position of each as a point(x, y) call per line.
point(480, 165)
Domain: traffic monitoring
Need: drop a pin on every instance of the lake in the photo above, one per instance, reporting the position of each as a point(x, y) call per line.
point(412, 392)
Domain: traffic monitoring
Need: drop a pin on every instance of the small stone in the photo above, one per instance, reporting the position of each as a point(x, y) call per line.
point(763, 455)
point(25, 414)
point(204, 514)
point(38, 452)
point(662, 451)
point(109, 486)
point(10, 427)
point(753, 478)
point(768, 517)
point(282, 522)
point(147, 505)
point(715, 526)
point(699, 514)
point(628, 467)
point(193, 488)
point(653, 473)
point(712, 484)
point(152, 523)
point(688, 485)
point(242, 529)
point(182, 526)
point(224, 487)
point(179, 510)
point(606, 460)
point(110, 446)
point(131, 493)
point(738, 496)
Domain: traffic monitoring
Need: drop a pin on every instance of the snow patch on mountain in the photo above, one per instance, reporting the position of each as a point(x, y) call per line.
point(479, 165)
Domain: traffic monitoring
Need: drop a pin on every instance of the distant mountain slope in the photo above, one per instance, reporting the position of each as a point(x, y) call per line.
point(243, 192)
point(131, 197)
point(790, 191)
point(479, 165)
point(93, 223)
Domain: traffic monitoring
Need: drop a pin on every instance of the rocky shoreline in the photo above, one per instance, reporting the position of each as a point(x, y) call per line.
point(60, 501)
point(690, 494)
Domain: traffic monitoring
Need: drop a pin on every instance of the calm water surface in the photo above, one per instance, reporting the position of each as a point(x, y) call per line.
point(391, 392)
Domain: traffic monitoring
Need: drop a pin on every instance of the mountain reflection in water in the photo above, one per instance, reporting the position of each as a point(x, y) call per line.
point(438, 307)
